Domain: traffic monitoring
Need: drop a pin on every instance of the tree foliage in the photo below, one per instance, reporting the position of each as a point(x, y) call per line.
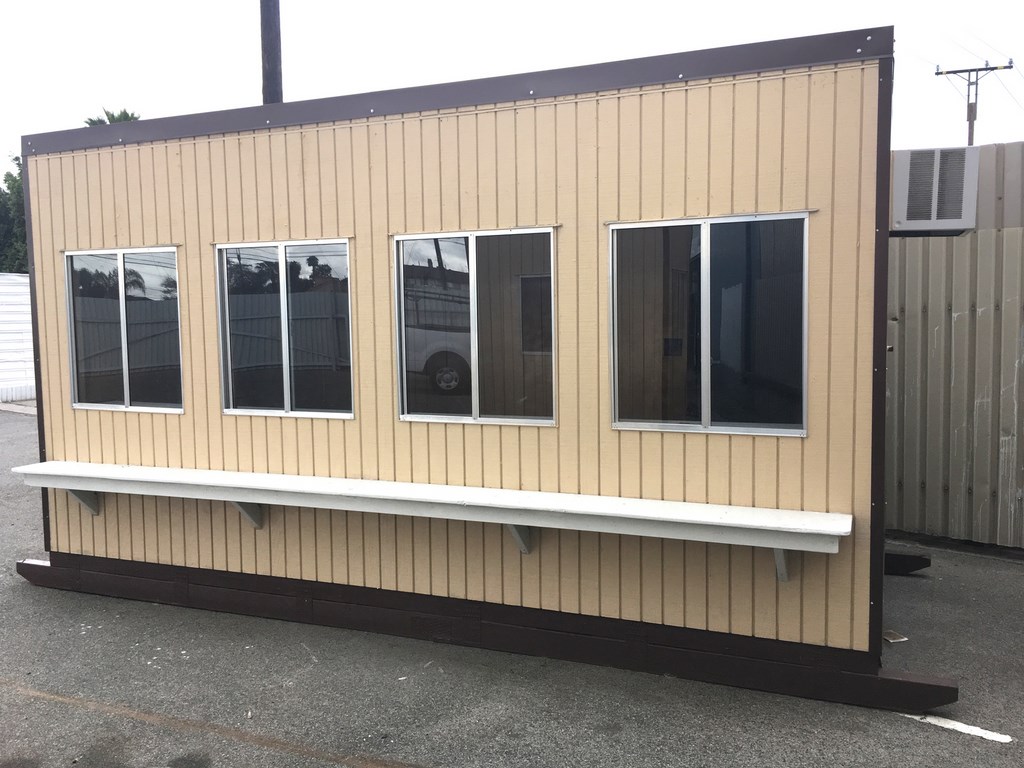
point(124, 116)
point(13, 251)
point(96, 284)
point(13, 243)
point(262, 276)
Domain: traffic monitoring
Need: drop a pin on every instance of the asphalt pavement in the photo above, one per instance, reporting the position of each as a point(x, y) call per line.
point(96, 682)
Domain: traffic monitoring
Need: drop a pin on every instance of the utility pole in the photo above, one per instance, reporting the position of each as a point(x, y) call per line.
point(270, 29)
point(972, 76)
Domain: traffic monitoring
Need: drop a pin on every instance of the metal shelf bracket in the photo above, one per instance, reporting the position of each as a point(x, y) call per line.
point(252, 512)
point(523, 535)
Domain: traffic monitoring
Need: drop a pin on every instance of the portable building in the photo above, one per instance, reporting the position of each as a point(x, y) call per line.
point(586, 363)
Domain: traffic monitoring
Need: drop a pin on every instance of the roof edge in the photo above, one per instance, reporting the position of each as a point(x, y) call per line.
point(832, 48)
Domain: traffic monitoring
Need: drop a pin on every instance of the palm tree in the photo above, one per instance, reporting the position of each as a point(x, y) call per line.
point(124, 116)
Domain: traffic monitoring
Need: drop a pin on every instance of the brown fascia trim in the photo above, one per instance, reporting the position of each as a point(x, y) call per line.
point(36, 352)
point(878, 358)
point(834, 48)
point(796, 669)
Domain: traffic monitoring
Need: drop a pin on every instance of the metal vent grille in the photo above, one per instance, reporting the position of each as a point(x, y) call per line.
point(950, 198)
point(934, 190)
point(922, 180)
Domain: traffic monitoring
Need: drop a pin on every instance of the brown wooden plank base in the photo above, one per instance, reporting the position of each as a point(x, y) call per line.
point(828, 674)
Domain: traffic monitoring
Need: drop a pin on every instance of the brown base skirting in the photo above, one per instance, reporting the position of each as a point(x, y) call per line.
point(828, 674)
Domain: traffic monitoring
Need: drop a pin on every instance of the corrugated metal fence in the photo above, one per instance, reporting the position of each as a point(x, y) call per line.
point(17, 372)
point(955, 389)
point(955, 379)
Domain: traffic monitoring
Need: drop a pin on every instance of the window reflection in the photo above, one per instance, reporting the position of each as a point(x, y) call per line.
point(757, 323)
point(252, 283)
point(320, 358)
point(511, 334)
point(514, 325)
point(151, 315)
point(96, 313)
point(437, 349)
point(535, 313)
point(657, 315)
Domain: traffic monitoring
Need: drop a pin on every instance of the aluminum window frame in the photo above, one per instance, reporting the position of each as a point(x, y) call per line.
point(224, 331)
point(119, 253)
point(705, 427)
point(475, 418)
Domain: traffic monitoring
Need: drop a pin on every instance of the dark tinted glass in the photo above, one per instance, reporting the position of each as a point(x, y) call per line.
point(321, 361)
point(657, 317)
point(96, 317)
point(535, 313)
point(437, 350)
point(757, 323)
point(151, 315)
point(254, 327)
point(513, 285)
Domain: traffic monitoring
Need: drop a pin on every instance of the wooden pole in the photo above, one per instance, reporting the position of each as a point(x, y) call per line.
point(270, 29)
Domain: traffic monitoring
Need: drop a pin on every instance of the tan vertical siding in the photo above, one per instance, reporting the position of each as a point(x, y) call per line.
point(781, 141)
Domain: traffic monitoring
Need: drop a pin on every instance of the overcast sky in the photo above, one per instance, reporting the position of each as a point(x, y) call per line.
point(67, 60)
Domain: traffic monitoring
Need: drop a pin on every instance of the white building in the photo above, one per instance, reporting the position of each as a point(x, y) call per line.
point(17, 377)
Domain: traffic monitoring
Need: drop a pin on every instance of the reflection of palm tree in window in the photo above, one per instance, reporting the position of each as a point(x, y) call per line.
point(94, 284)
point(169, 288)
point(251, 276)
point(134, 283)
point(319, 275)
point(320, 272)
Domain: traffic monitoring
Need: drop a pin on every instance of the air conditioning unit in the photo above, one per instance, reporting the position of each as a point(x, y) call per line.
point(934, 190)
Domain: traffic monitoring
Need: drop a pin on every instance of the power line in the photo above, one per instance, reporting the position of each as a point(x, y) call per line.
point(988, 45)
point(958, 93)
point(1010, 94)
point(963, 47)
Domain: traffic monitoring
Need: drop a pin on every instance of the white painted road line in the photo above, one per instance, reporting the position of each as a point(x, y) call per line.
point(953, 725)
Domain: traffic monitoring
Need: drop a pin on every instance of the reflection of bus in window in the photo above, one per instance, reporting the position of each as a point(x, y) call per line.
point(437, 320)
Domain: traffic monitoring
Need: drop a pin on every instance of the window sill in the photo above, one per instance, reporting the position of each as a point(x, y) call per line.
point(697, 429)
point(288, 414)
point(125, 408)
point(445, 419)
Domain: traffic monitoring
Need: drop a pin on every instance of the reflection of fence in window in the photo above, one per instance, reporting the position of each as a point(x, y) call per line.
point(319, 331)
point(152, 334)
point(255, 331)
point(435, 310)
